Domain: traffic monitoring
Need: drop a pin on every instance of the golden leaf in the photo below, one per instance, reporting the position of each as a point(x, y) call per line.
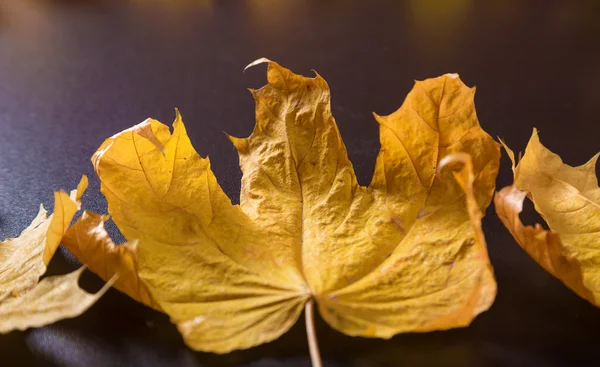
point(24, 302)
point(404, 254)
point(568, 198)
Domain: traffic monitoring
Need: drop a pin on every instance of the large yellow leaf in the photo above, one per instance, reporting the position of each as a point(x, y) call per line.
point(24, 302)
point(404, 254)
point(568, 198)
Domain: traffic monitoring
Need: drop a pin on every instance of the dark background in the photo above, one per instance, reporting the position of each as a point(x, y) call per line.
point(75, 72)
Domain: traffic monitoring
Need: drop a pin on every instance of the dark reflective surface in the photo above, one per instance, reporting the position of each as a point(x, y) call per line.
point(73, 72)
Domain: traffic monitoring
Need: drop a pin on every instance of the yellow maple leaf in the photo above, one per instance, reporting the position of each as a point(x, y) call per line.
point(568, 198)
point(24, 302)
point(404, 254)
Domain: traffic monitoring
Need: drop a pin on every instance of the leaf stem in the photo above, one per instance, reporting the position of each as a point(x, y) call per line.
point(313, 346)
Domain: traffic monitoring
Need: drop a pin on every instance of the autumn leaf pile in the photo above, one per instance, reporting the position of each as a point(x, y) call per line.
point(405, 254)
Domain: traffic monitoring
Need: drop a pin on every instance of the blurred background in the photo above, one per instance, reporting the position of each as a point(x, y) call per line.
point(73, 72)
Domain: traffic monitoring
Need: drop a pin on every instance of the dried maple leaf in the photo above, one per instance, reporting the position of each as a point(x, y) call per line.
point(24, 302)
point(568, 198)
point(404, 254)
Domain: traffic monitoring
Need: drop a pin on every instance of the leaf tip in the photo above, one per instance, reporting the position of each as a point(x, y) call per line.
point(535, 134)
point(240, 144)
point(256, 62)
point(81, 187)
point(378, 119)
point(510, 153)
